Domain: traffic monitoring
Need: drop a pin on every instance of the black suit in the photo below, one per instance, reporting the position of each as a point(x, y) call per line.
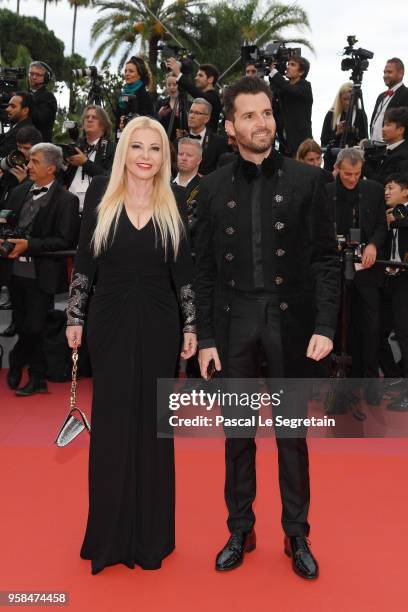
point(395, 161)
point(292, 109)
point(211, 96)
point(213, 147)
point(365, 314)
point(8, 141)
point(54, 228)
point(141, 103)
point(400, 98)
point(44, 112)
point(302, 248)
point(102, 163)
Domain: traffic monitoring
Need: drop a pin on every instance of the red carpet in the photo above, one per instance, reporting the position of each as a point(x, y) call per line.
point(358, 517)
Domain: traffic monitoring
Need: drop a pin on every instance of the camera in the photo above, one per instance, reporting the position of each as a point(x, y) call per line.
point(72, 128)
point(181, 54)
point(7, 231)
point(81, 73)
point(12, 160)
point(358, 60)
point(276, 52)
point(9, 78)
point(400, 212)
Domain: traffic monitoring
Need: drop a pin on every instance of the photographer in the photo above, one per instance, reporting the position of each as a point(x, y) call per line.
point(45, 104)
point(205, 81)
point(134, 98)
point(19, 115)
point(360, 209)
point(293, 100)
point(395, 157)
point(26, 138)
point(395, 293)
point(47, 216)
point(167, 105)
point(94, 154)
point(395, 96)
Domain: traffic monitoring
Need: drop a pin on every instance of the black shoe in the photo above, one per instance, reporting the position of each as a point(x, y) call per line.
point(14, 378)
point(5, 305)
point(34, 385)
point(9, 332)
point(399, 405)
point(303, 562)
point(232, 555)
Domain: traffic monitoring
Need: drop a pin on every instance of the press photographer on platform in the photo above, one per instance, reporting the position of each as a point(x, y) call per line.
point(45, 104)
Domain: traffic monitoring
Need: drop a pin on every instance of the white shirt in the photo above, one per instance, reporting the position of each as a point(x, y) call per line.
point(79, 185)
point(394, 145)
point(178, 180)
point(376, 129)
point(202, 135)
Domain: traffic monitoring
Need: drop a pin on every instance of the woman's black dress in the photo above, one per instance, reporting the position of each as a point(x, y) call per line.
point(134, 336)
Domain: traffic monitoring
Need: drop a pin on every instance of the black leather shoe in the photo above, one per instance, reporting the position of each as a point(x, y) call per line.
point(303, 562)
point(399, 405)
point(9, 331)
point(34, 385)
point(5, 305)
point(232, 555)
point(14, 378)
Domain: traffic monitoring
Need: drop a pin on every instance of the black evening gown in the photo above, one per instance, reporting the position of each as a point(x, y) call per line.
point(141, 305)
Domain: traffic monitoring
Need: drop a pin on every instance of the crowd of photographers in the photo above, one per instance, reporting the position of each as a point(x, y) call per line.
point(43, 187)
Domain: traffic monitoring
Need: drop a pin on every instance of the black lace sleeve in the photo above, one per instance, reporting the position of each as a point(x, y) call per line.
point(85, 264)
point(183, 274)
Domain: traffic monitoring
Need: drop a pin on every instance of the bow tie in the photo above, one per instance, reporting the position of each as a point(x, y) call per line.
point(195, 136)
point(389, 92)
point(268, 167)
point(37, 190)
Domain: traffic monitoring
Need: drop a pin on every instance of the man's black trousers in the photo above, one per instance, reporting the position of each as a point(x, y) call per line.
point(255, 331)
point(30, 306)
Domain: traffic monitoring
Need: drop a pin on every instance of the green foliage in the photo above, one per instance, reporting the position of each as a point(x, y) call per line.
point(41, 43)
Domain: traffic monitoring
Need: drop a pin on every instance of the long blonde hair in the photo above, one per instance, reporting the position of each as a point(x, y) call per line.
point(165, 211)
point(337, 106)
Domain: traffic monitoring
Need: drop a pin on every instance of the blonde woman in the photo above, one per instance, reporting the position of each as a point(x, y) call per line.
point(335, 121)
point(133, 247)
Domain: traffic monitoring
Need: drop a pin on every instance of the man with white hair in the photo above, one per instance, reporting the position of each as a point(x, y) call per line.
point(46, 219)
point(212, 144)
point(189, 155)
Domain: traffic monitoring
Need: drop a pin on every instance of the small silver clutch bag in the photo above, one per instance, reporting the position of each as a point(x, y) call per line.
point(75, 421)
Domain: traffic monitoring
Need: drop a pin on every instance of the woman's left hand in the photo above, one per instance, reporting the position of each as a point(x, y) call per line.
point(189, 345)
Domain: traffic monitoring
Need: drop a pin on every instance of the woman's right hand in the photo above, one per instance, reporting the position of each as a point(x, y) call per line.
point(74, 335)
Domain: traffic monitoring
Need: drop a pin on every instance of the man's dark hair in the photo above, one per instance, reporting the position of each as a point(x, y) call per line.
point(246, 85)
point(28, 135)
point(303, 63)
point(26, 99)
point(211, 71)
point(398, 62)
point(399, 116)
point(399, 178)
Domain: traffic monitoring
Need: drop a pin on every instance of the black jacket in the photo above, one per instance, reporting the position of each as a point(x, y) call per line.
point(373, 224)
point(402, 226)
point(8, 141)
point(211, 96)
point(213, 147)
point(102, 165)
point(302, 238)
point(140, 104)
point(44, 112)
point(400, 98)
point(292, 109)
point(329, 136)
point(395, 161)
point(55, 228)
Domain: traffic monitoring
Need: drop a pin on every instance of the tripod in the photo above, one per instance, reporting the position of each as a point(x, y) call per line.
point(180, 111)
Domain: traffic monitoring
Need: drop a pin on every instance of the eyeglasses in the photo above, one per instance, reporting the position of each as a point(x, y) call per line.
point(194, 112)
point(35, 74)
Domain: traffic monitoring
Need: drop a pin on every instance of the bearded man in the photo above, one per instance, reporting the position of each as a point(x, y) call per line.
point(267, 282)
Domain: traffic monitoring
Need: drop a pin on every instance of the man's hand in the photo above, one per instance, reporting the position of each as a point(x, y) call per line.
point(390, 217)
point(20, 172)
point(20, 248)
point(189, 345)
point(74, 335)
point(174, 66)
point(319, 347)
point(204, 358)
point(369, 256)
point(79, 159)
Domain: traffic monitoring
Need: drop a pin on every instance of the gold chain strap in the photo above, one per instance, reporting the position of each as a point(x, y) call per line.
point(74, 377)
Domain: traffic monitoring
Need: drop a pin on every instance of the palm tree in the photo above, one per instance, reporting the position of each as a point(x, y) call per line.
point(45, 2)
point(131, 22)
point(75, 4)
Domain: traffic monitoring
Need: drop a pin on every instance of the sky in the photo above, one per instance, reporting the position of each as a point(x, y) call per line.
point(331, 22)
